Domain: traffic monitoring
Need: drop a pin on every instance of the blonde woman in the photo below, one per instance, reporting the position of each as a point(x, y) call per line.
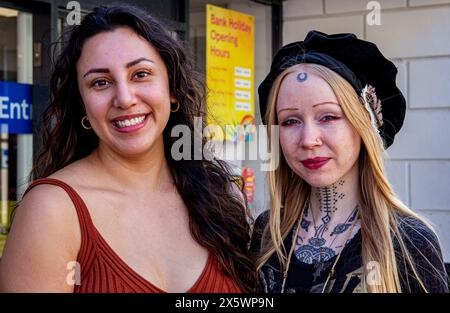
point(335, 224)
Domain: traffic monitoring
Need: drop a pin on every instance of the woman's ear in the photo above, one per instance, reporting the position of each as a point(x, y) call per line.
point(173, 99)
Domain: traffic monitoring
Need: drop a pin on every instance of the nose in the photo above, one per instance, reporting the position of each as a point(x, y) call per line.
point(125, 96)
point(310, 137)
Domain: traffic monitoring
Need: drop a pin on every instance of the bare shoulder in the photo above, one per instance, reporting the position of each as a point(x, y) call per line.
point(72, 173)
point(44, 237)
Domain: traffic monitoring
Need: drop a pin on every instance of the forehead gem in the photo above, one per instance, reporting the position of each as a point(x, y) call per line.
point(301, 77)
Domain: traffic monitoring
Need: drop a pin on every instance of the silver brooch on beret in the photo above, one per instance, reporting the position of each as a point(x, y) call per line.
point(373, 106)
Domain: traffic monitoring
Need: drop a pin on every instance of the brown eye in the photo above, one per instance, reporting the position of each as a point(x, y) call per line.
point(100, 83)
point(142, 74)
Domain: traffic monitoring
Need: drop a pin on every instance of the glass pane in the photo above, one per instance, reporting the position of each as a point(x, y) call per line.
point(8, 156)
point(8, 44)
point(16, 77)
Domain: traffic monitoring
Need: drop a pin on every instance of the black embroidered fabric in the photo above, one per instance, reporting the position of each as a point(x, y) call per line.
point(304, 278)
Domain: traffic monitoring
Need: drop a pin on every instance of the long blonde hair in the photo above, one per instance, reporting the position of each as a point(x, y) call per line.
point(379, 205)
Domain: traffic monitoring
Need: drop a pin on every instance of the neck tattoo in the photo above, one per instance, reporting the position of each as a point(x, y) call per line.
point(315, 251)
point(328, 199)
point(320, 266)
point(319, 250)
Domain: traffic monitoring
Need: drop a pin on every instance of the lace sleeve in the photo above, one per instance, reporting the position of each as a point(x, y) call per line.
point(423, 245)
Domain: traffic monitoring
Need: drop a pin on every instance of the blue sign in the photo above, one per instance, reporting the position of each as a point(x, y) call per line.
point(15, 107)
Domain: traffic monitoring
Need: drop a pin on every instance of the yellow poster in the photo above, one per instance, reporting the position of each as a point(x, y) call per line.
point(6, 208)
point(230, 69)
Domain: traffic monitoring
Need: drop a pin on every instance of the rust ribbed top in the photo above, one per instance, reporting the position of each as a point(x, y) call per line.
point(102, 270)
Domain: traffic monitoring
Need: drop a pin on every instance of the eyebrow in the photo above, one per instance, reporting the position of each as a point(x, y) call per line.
point(132, 63)
point(325, 102)
point(106, 70)
point(317, 104)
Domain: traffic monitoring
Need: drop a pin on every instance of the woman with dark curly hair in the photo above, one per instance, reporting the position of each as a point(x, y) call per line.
point(110, 209)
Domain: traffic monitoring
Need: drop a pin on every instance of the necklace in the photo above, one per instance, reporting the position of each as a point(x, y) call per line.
point(331, 274)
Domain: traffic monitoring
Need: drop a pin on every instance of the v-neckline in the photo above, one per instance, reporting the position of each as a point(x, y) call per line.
point(82, 209)
point(127, 267)
point(142, 278)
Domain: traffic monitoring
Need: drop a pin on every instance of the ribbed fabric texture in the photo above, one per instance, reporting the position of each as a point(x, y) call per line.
point(103, 271)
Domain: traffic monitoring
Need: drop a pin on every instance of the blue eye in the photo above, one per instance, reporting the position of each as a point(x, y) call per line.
point(328, 118)
point(290, 122)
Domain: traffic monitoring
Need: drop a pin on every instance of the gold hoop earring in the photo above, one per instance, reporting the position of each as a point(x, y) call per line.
point(83, 120)
point(178, 107)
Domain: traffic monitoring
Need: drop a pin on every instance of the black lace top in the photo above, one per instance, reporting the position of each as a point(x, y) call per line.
point(310, 278)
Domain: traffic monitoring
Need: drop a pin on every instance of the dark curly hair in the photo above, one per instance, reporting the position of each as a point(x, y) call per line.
point(218, 217)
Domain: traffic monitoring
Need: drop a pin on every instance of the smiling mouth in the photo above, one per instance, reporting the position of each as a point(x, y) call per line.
point(131, 121)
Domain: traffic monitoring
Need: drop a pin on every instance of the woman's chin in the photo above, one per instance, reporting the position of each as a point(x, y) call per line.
point(319, 182)
point(134, 149)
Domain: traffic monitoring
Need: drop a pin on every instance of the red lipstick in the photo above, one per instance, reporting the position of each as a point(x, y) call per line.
point(315, 163)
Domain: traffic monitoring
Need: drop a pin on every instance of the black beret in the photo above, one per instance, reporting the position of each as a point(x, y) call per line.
point(357, 61)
